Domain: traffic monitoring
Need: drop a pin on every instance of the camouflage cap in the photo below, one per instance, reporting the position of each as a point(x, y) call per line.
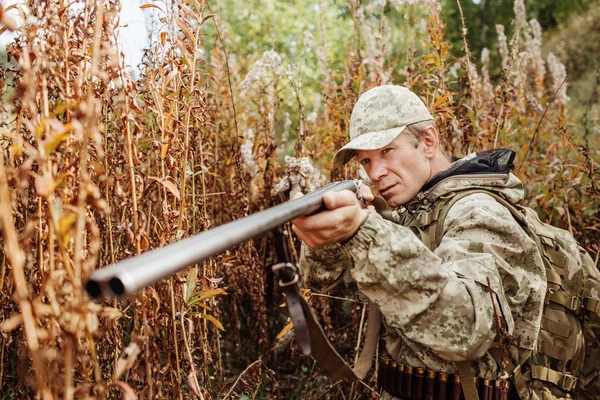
point(379, 116)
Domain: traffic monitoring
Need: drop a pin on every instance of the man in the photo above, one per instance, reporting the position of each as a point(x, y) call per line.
point(437, 308)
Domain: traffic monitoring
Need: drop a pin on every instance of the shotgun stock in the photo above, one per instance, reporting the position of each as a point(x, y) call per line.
point(128, 276)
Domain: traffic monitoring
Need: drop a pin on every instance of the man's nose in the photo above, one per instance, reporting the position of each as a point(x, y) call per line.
point(378, 171)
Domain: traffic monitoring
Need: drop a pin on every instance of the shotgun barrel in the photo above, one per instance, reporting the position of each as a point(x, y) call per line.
point(128, 276)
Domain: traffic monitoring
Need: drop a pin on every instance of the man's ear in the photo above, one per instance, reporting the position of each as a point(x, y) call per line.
point(431, 141)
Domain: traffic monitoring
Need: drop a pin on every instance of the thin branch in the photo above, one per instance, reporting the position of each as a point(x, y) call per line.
point(538, 125)
point(240, 377)
point(237, 133)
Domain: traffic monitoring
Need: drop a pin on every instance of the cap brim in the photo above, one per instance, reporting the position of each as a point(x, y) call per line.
point(366, 141)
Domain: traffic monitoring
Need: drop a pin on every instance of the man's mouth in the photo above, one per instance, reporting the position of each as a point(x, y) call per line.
point(386, 189)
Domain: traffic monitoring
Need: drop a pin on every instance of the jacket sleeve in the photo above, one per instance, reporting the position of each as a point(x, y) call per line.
point(324, 265)
point(441, 299)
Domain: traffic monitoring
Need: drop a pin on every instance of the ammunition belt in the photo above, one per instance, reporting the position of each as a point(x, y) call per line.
point(410, 383)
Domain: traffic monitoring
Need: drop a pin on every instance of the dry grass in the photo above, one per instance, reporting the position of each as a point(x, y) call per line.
point(98, 167)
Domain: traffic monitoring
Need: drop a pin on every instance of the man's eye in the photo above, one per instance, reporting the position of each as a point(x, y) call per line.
point(387, 150)
point(364, 161)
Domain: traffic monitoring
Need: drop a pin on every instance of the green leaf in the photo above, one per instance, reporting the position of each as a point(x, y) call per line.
point(215, 321)
point(204, 294)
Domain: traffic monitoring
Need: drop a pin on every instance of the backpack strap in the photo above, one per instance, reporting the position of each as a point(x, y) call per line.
point(592, 305)
point(563, 380)
point(439, 214)
point(467, 380)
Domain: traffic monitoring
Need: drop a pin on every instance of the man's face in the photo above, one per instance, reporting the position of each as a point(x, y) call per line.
point(398, 170)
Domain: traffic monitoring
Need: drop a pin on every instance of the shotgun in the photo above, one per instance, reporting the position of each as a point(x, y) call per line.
point(128, 276)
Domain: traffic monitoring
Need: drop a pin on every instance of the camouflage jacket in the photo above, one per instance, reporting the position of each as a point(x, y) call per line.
point(436, 306)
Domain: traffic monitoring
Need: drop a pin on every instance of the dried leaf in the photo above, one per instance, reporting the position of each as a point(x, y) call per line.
point(55, 140)
point(206, 18)
point(191, 278)
point(42, 309)
point(169, 117)
point(192, 383)
point(184, 52)
point(215, 321)
point(9, 22)
point(151, 6)
point(214, 280)
point(144, 242)
point(111, 313)
point(84, 389)
point(136, 107)
point(189, 11)
point(92, 322)
point(184, 27)
point(169, 185)
point(44, 184)
point(61, 108)
point(164, 148)
point(201, 305)
point(440, 100)
point(128, 392)
point(66, 222)
point(127, 359)
point(12, 323)
point(285, 330)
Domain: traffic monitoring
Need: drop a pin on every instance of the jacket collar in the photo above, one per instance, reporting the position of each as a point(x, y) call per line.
point(489, 170)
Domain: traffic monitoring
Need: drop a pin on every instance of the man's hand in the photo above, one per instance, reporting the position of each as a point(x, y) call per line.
point(342, 218)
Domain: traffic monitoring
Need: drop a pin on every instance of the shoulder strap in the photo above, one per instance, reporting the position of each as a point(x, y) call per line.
point(436, 228)
point(312, 339)
point(329, 359)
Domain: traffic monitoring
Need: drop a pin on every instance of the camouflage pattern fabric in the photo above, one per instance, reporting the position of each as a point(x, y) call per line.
point(436, 305)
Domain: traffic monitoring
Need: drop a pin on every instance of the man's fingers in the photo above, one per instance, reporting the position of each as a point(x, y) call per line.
point(366, 193)
point(342, 217)
point(335, 200)
point(317, 222)
point(305, 238)
point(299, 233)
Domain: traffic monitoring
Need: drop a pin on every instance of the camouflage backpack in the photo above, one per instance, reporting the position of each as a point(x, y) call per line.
point(567, 358)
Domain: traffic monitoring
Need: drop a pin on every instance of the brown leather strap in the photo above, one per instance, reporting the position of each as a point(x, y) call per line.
point(288, 281)
point(310, 335)
point(365, 359)
point(329, 359)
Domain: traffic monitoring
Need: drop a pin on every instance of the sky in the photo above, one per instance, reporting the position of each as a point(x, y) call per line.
point(133, 31)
